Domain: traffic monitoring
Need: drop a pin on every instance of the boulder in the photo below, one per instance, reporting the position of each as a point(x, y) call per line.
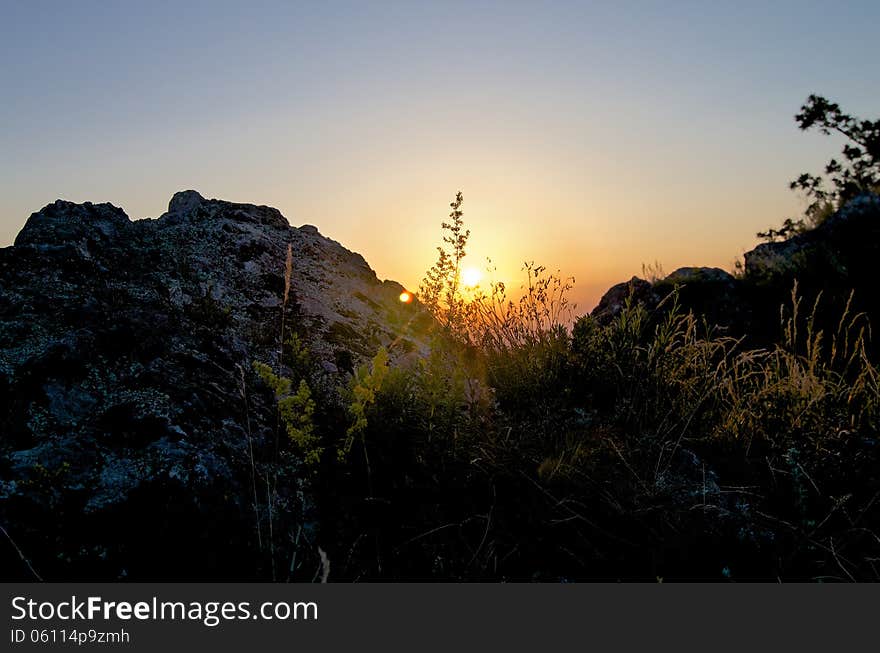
point(683, 276)
point(636, 291)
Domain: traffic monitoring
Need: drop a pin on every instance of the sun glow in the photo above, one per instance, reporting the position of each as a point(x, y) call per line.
point(406, 297)
point(471, 277)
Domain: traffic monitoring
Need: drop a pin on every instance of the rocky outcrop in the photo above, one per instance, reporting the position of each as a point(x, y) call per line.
point(635, 291)
point(837, 258)
point(134, 431)
point(710, 291)
point(715, 276)
point(844, 247)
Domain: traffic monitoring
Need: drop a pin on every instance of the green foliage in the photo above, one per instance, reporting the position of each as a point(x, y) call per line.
point(297, 356)
point(365, 385)
point(296, 409)
point(447, 391)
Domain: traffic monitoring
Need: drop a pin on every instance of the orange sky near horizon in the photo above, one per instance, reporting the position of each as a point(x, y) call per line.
point(592, 138)
point(600, 239)
point(597, 249)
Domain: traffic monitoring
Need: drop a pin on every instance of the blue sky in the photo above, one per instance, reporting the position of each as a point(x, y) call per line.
point(592, 137)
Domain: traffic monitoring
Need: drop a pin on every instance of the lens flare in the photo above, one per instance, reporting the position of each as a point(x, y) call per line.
point(470, 277)
point(406, 297)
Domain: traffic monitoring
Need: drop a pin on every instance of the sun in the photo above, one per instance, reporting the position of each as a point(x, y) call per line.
point(471, 277)
point(406, 297)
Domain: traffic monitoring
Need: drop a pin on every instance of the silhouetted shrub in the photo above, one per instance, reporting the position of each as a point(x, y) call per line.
point(857, 173)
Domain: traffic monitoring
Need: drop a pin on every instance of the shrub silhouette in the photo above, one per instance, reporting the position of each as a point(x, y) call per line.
point(858, 171)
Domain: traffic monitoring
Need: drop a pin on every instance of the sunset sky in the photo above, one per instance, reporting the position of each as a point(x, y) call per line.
point(589, 137)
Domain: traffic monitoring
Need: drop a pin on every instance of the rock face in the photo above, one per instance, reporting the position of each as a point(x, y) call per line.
point(134, 430)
